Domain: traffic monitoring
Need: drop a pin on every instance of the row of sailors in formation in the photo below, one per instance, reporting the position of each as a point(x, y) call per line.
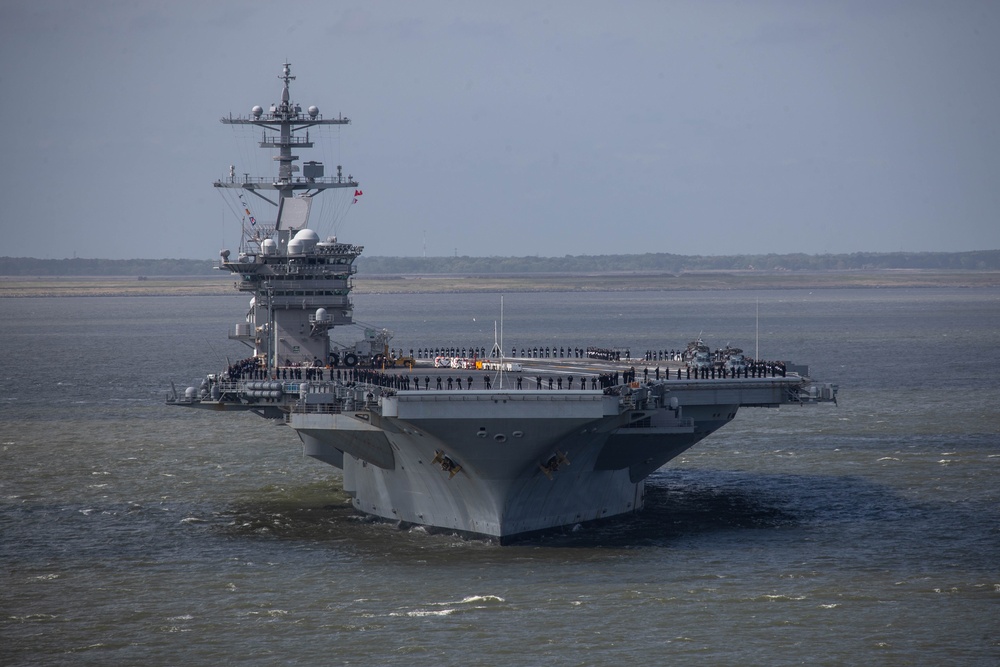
point(604, 380)
point(752, 370)
point(663, 355)
point(253, 369)
point(407, 382)
point(547, 352)
point(607, 354)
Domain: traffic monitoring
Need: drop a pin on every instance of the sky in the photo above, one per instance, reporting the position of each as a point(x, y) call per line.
point(511, 128)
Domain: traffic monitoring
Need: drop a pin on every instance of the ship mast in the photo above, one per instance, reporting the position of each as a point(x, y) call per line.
point(300, 285)
point(279, 129)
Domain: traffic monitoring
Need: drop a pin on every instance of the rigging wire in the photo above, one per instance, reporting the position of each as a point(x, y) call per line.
point(229, 200)
point(335, 204)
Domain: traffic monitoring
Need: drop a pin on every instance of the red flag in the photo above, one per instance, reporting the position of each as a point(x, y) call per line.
point(358, 193)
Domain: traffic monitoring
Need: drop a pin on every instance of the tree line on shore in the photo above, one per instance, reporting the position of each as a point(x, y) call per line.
point(979, 260)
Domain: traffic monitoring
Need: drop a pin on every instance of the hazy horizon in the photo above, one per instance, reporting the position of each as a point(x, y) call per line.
point(516, 129)
point(371, 256)
point(368, 256)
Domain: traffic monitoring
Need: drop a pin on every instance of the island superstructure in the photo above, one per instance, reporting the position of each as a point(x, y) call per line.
point(507, 454)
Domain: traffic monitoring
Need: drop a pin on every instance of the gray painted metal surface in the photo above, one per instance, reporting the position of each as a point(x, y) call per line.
point(496, 462)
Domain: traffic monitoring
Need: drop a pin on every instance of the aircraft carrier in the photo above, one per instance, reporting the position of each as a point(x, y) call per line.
point(466, 440)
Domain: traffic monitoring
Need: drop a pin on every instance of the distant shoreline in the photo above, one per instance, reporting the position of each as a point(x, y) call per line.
point(222, 285)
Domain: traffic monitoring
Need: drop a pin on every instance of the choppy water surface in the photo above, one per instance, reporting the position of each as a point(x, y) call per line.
point(134, 533)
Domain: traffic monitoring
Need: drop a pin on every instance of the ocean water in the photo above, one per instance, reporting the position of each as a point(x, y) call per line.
point(135, 533)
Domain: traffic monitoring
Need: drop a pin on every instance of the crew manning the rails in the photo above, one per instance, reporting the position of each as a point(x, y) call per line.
point(253, 368)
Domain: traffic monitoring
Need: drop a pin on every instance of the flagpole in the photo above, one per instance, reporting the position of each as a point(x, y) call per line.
point(500, 384)
point(756, 351)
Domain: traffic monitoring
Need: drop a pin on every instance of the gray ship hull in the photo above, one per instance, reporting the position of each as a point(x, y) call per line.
point(506, 464)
